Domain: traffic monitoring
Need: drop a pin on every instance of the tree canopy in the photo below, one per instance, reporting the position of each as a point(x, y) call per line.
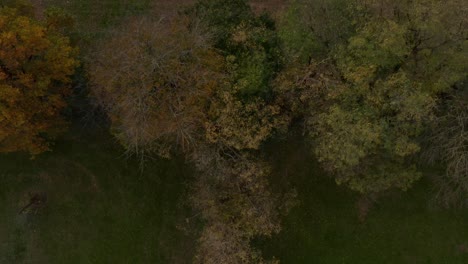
point(391, 66)
point(156, 87)
point(36, 63)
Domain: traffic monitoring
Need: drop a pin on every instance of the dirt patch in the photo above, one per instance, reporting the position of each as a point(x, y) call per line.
point(364, 205)
point(462, 248)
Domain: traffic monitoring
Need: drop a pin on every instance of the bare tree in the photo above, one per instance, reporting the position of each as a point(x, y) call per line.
point(153, 78)
point(449, 144)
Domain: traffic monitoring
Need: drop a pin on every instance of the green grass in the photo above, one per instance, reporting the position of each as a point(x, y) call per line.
point(402, 227)
point(100, 207)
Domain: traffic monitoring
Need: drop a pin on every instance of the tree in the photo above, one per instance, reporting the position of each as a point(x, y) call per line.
point(36, 63)
point(400, 56)
point(231, 192)
point(242, 125)
point(312, 28)
point(155, 80)
point(449, 145)
point(248, 42)
point(221, 17)
point(243, 113)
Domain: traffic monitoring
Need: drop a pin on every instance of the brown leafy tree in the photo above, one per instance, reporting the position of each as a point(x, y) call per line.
point(242, 125)
point(231, 192)
point(155, 79)
point(36, 63)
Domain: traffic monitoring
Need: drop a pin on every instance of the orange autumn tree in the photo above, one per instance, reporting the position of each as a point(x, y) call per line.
point(36, 63)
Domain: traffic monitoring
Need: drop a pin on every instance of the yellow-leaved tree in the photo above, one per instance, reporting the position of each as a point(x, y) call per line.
point(36, 63)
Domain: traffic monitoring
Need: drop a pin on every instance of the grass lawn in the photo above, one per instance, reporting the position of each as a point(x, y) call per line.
point(402, 227)
point(100, 208)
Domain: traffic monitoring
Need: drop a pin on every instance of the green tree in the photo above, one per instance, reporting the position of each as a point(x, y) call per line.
point(387, 77)
point(36, 63)
point(248, 42)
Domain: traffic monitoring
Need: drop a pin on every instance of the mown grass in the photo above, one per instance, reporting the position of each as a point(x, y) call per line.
point(402, 227)
point(100, 209)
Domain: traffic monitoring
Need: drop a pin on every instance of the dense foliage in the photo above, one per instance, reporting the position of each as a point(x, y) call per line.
point(36, 63)
point(156, 87)
point(390, 67)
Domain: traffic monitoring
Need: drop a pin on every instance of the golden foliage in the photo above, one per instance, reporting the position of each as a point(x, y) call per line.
point(233, 196)
point(35, 68)
point(242, 125)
